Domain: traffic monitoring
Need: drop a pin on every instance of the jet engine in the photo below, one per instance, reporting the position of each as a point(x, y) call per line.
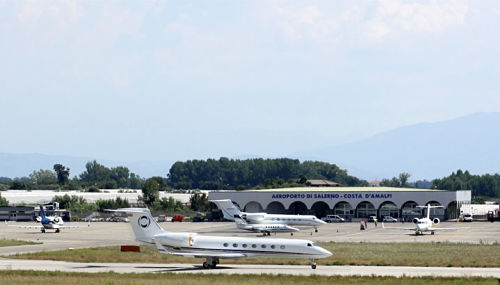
point(435, 221)
point(38, 219)
point(415, 220)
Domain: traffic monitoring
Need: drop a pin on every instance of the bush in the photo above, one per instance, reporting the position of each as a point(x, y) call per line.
point(93, 189)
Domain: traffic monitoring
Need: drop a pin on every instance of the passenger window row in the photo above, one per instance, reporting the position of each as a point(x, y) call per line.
point(280, 219)
point(235, 245)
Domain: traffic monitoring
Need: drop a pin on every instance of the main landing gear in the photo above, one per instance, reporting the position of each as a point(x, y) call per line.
point(315, 230)
point(43, 231)
point(313, 264)
point(58, 230)
point(432, 233)
point(210, 262)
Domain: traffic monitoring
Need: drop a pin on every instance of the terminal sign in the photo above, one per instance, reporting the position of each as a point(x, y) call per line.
point(332, 196)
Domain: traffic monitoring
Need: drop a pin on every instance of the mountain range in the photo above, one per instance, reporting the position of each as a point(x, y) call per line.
point(425, 150)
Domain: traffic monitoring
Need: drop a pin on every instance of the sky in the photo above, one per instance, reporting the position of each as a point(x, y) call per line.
point(176, 80)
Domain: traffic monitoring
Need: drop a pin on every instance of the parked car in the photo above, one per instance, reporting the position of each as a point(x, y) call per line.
point(372, 219)
point(467, 217)
point(177, 218)
point(389, 219)
point(333, 219)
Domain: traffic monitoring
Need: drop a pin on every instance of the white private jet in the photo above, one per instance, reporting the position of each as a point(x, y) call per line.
point(266, 229)
point(230, 211)
point(424, 224)
point(48, 223)
point(213, 248)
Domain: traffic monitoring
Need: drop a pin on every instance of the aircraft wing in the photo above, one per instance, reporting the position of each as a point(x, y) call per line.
point(206, 254)
point(398, 228)
point(443, 229)
point(69, 227)
point(26, 227)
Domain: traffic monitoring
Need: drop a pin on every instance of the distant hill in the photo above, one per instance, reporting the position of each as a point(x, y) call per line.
point(18, 165)
point(426, 150)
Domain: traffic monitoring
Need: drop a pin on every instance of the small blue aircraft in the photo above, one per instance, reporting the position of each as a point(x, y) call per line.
point(48, 223)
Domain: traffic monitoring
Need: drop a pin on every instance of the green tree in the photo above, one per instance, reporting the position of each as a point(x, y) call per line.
point(43, 177)
point(62, 173)
point(19, 185)
point(199, 202)
point(3, 201)
point(403, 179)
point(150, 191)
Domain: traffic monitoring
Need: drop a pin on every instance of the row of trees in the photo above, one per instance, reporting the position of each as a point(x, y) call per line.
point(95, 175)
point(481, 185)
point(243, 174)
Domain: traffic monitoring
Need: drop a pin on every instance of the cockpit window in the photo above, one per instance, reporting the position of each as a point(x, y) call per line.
point(309, 244)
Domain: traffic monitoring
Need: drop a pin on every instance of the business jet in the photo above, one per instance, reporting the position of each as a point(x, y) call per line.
point(47, 223)
point(424, 224)
point(213, 248)
point(230, 211)
point(265, 229)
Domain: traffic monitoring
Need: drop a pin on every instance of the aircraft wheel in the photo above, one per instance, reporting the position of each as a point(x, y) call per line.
point(291, 234)
point(313, 266)
point(432, 233)
point(43, 231)
point(205, 265)
point(315, 230)
point(57, 230)
point(214, 264)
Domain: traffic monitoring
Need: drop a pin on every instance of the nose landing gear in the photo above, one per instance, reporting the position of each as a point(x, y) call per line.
point(313, 264)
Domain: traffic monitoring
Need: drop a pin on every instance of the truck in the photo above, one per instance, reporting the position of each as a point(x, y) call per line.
point(493, 215)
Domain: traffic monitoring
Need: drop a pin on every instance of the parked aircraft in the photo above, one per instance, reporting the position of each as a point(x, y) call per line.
point(213, 248)
point(47, 223)
point(424, 224)
point(230, 210)
point(266, 229)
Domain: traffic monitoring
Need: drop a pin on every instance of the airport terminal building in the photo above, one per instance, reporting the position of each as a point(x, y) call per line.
point(349, 202)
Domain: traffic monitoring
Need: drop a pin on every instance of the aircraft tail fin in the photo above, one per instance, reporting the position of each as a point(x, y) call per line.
point(42, 211)
point(142, 222)
point(429, 207)
point(228, 208)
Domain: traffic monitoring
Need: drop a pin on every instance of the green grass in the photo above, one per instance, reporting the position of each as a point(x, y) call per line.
point(13, 242)
point(398, 254)
point(59, 278)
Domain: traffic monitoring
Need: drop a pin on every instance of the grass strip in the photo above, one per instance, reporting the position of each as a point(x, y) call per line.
point(21, 277)
point(379, 254)
point(14, 242)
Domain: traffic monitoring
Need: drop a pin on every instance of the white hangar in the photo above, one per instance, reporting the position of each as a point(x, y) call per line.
point(349, 202)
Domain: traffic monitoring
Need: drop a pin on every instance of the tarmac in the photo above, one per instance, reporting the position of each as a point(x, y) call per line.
point(396, 271)
point(107, 233)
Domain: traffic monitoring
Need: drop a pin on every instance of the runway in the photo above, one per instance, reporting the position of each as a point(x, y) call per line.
point(396, 271)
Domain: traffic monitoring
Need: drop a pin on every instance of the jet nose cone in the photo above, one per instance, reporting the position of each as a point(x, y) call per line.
point(327, 253)
point(321, 222)
point(324, 252)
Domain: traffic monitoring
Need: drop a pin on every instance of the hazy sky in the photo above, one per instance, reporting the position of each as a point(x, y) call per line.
point(165, 80)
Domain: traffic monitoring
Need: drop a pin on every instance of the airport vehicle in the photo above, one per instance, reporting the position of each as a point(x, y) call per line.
point(177, 218)
point(493, 215)
point(230, 210)
point(389, 219)
point(424, 224)
point(333, 219)
point(48, 223)
point(372, 219)
point(265, 229)
point(213, 248)
point(467, 217)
